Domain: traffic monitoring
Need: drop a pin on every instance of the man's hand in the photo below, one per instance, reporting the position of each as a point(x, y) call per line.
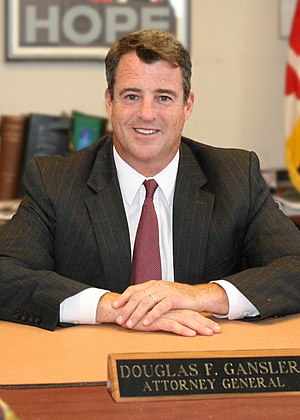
point(149, 301)
point(165, 306)
point(182, 322)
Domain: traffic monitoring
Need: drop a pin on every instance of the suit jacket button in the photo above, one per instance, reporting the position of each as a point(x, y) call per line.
point(17, 314)
point(24, 316)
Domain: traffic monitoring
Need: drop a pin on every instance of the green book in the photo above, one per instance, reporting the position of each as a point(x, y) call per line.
point(86, 129)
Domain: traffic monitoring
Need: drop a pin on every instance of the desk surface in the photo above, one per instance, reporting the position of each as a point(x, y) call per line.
point(79, 355)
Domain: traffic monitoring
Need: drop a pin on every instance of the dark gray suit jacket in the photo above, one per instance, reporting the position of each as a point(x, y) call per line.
point(71, 232)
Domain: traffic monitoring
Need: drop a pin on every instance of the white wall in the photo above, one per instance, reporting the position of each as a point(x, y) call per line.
point(238, 77)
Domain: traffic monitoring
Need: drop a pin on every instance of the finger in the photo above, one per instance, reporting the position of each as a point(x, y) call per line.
point(165, 298)
point(166, 302)
point(170, 325)
point(138, 300)
point(142, 309)
point(123, 298)
point(135, 309)
point(186, 323)
point(142, 289)
point(148, 311)
point(167, 325)
point(158, 310)
point(195, 321)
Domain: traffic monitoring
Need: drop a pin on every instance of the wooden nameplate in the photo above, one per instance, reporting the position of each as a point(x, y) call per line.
point(191, 375)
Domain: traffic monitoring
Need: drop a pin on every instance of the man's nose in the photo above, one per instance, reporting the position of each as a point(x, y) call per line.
point(147, 109)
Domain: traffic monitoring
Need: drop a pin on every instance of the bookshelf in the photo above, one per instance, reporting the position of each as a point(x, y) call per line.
point(23, 137)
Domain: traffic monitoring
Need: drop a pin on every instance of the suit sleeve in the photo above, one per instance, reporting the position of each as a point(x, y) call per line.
point(272, 251)
point(31, 290)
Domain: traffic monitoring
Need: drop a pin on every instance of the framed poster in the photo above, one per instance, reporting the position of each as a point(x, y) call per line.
point(85, 29)
point(287, 9)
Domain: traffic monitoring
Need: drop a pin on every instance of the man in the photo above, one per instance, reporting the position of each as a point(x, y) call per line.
point(66, 255)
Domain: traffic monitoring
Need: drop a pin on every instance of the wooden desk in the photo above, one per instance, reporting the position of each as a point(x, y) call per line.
point(78, 355)
point(86, 403)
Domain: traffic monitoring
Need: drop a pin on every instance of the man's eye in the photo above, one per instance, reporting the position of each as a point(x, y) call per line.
point(131, 97)
point(165, 98)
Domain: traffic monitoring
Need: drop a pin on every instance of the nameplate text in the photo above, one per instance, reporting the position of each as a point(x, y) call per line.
point(202, 374)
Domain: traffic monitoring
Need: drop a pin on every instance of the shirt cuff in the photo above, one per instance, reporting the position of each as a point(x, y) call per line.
point(82, 307)
point(239, 306)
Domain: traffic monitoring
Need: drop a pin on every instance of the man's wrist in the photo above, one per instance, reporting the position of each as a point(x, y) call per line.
point(214, 298)
point(105, 312)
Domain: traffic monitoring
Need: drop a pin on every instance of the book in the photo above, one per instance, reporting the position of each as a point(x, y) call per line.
point(288, 201)
point(86, 129)
point(44, 135)
point(12, 144)
point(277, 179)
point(8, 208)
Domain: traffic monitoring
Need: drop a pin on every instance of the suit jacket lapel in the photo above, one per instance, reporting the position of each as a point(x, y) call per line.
point(111, 232)
point(192, 214)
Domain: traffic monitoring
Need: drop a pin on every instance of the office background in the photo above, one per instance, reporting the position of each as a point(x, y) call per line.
point(239, 63)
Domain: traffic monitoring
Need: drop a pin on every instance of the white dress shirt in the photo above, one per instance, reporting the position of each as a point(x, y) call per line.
point(81, 308)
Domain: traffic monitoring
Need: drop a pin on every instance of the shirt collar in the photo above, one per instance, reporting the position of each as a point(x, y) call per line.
point(130, 180)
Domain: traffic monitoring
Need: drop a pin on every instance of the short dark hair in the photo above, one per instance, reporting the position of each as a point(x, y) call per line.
point(150, 46)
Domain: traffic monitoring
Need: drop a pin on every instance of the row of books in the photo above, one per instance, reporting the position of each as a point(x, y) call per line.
point(23, 137)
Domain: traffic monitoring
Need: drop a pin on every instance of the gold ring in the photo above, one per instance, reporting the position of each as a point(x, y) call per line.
point(153, 297)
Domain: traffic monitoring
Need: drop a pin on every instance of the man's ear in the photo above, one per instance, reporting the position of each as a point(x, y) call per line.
point(189, 105)
point(108, 102)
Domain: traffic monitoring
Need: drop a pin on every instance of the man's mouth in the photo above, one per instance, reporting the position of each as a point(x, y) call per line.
point(145, 131)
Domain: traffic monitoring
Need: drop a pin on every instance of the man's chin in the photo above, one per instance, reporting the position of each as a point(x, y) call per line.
point(149, 155)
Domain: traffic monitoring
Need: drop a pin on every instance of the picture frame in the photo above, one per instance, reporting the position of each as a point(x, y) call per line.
point(84, 30)
point(286, 14)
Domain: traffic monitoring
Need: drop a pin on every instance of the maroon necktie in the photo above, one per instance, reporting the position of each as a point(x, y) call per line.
point(146, 263)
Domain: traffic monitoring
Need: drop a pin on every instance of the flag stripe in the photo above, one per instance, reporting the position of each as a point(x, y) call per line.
point(292, 82)
point(295, 33)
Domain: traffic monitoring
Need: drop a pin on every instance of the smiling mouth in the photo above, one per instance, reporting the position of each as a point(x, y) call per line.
point(146, 131)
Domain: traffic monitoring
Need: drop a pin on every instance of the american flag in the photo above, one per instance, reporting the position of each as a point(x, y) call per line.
point(292, 102)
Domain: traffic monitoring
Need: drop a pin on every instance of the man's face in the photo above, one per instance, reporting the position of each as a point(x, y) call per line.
point(147, 113)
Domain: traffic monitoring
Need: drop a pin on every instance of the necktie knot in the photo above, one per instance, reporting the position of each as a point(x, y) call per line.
point(150, 186)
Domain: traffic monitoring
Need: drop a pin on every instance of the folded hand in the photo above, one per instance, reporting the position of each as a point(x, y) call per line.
point(146, 303)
